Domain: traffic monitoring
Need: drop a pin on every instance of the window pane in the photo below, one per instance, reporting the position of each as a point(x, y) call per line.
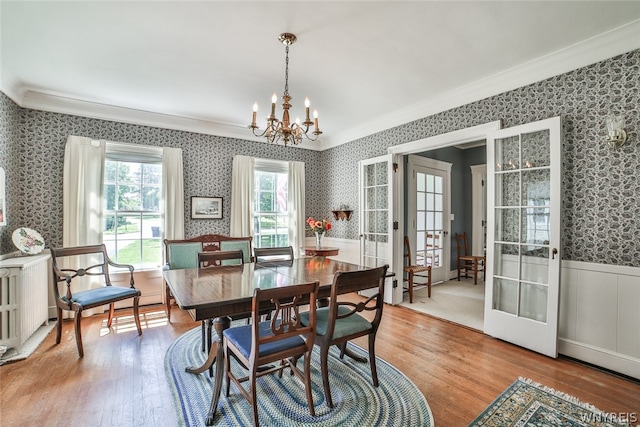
point(132, 237)
point(151, 174)
point(129, 198)
point(270, 210)
point(130, 173)
point(109, 197)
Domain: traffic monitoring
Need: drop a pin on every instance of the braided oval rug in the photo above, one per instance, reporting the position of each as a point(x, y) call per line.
point(282, 402)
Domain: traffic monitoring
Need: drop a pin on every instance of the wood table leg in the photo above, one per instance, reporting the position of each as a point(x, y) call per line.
point(220, 324)
point(212, 353)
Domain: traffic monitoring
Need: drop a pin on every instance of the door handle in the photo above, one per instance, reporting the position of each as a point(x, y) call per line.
point(553, 253)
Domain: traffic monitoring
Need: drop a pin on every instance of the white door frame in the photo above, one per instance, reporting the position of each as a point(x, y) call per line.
point(479, 210)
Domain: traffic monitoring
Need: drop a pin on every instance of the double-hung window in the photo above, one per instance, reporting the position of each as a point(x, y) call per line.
point(132, 212)
point(270, 215)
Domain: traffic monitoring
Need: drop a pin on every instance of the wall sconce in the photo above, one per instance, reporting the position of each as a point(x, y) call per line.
point(616, 136)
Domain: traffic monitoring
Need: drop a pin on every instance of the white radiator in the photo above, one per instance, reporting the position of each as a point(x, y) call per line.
point(24, 297)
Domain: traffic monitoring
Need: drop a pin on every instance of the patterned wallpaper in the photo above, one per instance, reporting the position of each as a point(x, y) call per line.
point(9, 156)
point(601, 203)
point(36, 186)
point(601, 197)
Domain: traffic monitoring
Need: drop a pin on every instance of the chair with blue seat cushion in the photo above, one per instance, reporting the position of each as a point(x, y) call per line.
point(179, 255)
point(340, 322)
point(98, 261)
point(282, 338)
point(214, 259)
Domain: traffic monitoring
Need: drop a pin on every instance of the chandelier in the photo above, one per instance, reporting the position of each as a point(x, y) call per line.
point(283, 129)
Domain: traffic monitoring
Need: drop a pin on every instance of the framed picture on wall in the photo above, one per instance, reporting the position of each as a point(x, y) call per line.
point(206, 207)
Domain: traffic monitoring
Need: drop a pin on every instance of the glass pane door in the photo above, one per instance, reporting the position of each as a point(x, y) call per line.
point(377, 182)
point(428, 210)
point(522, 299)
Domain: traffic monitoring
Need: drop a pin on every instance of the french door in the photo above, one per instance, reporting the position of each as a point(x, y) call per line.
point(524, 238)
point(428, 208)
point(377, 179)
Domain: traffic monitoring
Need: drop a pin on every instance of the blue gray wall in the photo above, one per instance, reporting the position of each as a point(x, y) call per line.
point(601, 199)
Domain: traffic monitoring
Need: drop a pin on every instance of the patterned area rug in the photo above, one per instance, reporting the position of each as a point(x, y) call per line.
point(282, 402)
point(526, 403)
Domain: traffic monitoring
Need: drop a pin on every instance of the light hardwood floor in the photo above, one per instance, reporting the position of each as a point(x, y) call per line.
point(121, 380)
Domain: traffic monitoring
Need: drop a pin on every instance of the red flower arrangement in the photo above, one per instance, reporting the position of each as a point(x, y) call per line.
point(318, 226)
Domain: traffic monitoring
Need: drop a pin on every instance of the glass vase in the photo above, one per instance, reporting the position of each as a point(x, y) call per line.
point(319, 236)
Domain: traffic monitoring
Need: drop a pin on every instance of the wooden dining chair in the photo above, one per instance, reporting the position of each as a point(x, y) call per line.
point(220, 258)
point(341, 322)
point(284, 253)
point(93, 261)
point(215, 259)
point(468, 264)
point(282, 338)
point(411, 271)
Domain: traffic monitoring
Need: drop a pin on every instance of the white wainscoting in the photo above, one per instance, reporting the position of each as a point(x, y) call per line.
point(599, 320)
point(600, 315)
point(349, 249)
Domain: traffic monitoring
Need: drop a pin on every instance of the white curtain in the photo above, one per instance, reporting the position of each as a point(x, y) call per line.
point(82, 200)
point(296, 206)
point(242, 197)
point(172, 193)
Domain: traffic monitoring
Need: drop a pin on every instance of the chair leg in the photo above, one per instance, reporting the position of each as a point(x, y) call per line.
point(475, 272)
point(459, 268)
point(79, 333)
point(227, 370)
point(59, 329)
point(429, 283)
point(168, 301)
point(410, 286)
point(111, 311)
point(324, 356)
point(202, 333)
point(136, 314)
point(253, 395)
point(307, 382)
point(372, 359)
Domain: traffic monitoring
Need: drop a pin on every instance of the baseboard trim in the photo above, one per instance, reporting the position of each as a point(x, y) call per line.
point(616, 362)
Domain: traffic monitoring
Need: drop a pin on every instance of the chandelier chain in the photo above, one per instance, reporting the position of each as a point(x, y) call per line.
point(286, 72)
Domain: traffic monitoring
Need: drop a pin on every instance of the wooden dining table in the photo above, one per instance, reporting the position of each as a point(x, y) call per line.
point(220, 292)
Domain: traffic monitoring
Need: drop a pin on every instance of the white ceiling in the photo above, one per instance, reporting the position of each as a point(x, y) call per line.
point(366, 66)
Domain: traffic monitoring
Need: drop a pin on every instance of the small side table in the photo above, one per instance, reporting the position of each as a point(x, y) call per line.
point(323, 251)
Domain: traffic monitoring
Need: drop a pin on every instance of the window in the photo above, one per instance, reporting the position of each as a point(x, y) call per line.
point(270, 213)
point(132, 216)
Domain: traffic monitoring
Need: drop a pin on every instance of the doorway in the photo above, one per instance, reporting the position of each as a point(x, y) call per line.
point(456, 144)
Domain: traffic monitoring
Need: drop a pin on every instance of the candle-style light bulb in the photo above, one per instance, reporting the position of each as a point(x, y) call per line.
point(306, 107)
point(274, 98)
point(315, 118)
point(255, 111)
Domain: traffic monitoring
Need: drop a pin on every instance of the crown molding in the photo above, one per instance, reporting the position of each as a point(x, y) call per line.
point(63, 105)
point(615, 42)
point(603, 46)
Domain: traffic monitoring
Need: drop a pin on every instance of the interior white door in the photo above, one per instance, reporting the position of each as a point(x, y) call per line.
point(377, 236)
point(428, 217)
point(524, 238)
